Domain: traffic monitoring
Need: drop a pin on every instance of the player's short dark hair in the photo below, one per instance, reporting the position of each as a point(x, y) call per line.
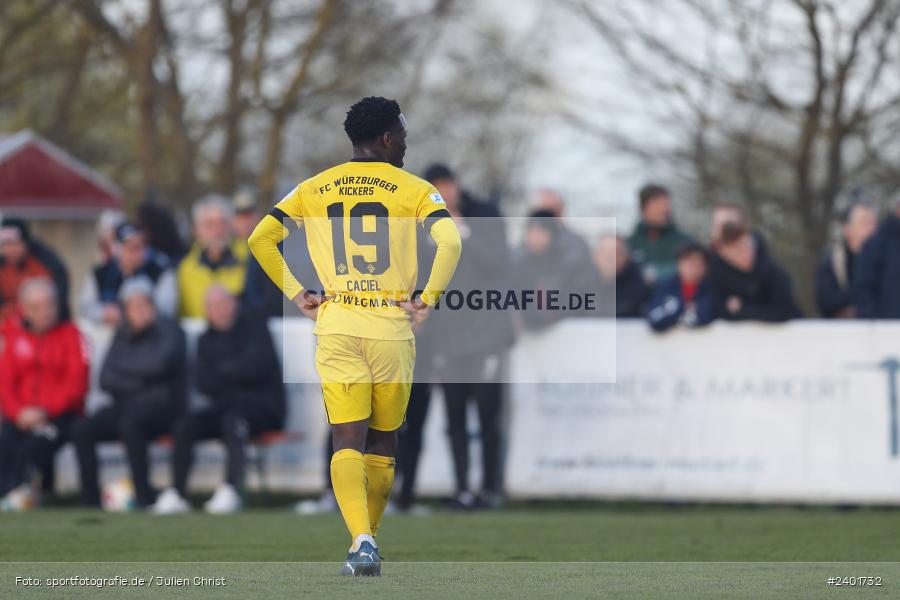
point(651, 191)
point(371, 117)
point(690, 249)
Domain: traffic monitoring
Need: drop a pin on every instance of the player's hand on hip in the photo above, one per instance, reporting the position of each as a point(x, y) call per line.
point(309, 302)
point(416, 310)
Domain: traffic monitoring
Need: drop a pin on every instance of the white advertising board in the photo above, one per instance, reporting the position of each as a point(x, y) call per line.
point(801, 412)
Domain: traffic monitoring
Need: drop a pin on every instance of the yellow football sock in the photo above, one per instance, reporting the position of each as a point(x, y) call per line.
point(380, 475)
point(348, 477)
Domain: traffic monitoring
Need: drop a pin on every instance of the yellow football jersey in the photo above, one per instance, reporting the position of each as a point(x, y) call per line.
point(360, 219)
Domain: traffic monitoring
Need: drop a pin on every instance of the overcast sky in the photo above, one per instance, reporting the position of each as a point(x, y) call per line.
point(595, 180)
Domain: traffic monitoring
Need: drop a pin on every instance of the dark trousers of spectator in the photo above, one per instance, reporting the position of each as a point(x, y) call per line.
point(410, 443)
point(487, 396)
point(329, 452)
point(234, 426)
point(136, 425)
point(23, 451)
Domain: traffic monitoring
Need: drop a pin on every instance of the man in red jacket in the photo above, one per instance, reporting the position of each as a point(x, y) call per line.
point(43, 381)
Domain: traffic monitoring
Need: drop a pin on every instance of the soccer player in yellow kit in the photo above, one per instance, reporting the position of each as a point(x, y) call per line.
point(361, 219)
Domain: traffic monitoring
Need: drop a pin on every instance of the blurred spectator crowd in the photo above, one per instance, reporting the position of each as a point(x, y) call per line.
point(147, 278)
point(662, 274)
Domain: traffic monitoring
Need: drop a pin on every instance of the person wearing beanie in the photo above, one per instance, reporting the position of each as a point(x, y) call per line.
point(145, 373)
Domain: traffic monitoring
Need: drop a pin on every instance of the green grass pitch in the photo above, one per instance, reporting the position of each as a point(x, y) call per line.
point(533, 551)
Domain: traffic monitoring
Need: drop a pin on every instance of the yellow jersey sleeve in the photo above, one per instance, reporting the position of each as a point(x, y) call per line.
point(432, 214)
point(449, 246)
point(430, 203)
point(271, 231)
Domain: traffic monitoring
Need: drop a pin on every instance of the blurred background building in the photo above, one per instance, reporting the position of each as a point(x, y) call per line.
point(59, 195)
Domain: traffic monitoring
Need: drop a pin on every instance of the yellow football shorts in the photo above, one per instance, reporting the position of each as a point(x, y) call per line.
point(365, 379)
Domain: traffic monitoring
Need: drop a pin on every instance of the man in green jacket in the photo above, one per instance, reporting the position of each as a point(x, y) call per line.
point(656, 240)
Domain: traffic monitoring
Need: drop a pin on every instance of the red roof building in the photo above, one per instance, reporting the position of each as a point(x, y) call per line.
point(41, 180)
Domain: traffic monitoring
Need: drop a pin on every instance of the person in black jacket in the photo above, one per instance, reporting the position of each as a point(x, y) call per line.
point(541, 267)
point(834, 276)
point(685, 298)
point(464, 350)
point(574, 248)
point(876, 286)
point(238, 370)
point(749, 285)
point(144, 372)
point(618, 281)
